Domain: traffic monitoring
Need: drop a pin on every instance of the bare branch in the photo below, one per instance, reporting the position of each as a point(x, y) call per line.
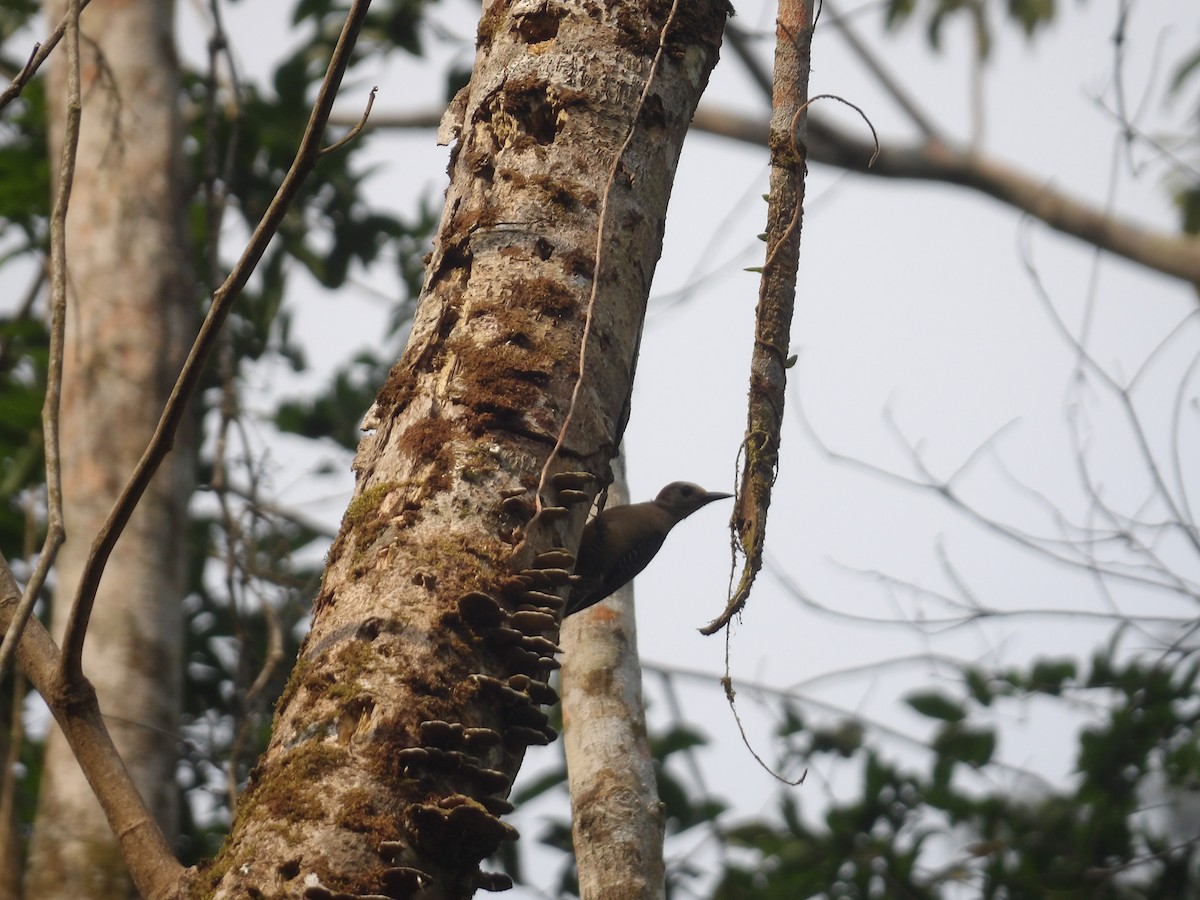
point(943, 624)
point(885, 78)
point(155, 871)
point(1122, 393)
point(939, 161)
point(1039, 545)
point(1171, 254)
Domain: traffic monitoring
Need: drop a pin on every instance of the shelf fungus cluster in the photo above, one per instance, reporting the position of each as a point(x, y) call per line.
point(453, 832)
point(518, 623)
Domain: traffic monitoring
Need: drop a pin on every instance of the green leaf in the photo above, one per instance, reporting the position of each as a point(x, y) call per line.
point(1049, 676)
point(934, 705)
point(1186, 69)
point(979, 686)
point(678, 738)
point(966, 745)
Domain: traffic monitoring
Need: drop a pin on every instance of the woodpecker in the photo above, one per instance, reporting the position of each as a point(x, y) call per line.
point(620, 542)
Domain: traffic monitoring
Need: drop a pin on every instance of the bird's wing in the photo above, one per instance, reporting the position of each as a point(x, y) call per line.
point(635, 558)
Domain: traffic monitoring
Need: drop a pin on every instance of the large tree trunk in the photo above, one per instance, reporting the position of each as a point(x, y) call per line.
point(418, 688)
point(131, 305)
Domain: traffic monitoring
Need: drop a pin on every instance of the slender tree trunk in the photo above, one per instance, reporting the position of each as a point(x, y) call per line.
point(420, 685)
point(131, 305)
point(617, 820)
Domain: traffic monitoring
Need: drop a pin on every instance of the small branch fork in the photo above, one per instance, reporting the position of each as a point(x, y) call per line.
point(40, 53)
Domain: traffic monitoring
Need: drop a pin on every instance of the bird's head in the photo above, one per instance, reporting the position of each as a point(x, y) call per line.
point(682, 498)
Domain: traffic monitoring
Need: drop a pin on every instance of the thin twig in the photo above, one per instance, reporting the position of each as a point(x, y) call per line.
point(216, 184)
point(358, 127)
point(55, 532)
point(792, 696)
point(1120, 392)
point(40, 53)
point(731, 699)
point(274, 657)
point(945, 624)
point(933, 485)
point(886, 79)
point(174, 411)
point(155, 870)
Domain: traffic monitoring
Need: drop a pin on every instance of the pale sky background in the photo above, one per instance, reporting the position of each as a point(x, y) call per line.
point(914, 302)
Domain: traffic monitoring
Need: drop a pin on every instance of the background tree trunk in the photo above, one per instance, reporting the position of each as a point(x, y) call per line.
point(419, 686)
point(617, 821)
point(131, 305)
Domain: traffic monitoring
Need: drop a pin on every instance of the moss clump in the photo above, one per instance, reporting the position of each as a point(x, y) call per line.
point(296, 792)
point(367, 503)
point(430, 442)
point(359, 812)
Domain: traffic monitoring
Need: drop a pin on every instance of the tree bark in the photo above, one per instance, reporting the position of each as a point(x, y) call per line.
point(419, 686)
point(131, 307)
point(617, 821)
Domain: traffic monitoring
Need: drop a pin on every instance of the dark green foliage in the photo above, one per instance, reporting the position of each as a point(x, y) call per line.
point(24, 173)
point(959, 823)
point(936, 706)
point(1086, 838)
point(1188, 201)
point(24, 349)
point(337, 412)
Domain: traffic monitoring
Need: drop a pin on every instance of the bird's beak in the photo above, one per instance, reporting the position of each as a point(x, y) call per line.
point(710, 496)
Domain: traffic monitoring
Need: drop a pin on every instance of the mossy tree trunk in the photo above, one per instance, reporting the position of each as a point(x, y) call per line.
point(131, 309)
point(421, 683)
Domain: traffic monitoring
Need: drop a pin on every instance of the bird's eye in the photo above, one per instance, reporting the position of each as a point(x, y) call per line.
point(687, 491)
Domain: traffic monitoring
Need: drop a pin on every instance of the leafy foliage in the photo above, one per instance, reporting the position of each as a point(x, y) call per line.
point(930, 833)
point(24, 350)
point(964, 823)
